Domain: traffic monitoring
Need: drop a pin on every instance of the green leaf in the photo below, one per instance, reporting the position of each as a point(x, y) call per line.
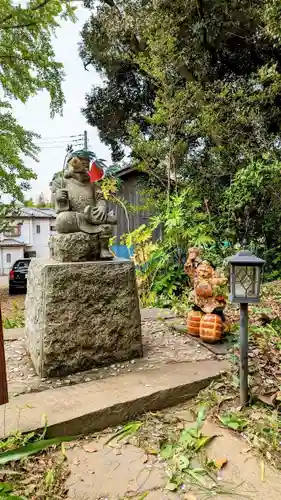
point(233, 422)
point(6, 492)
point(171, 486)
point(12, 497)
point(126, 431)
point(31, 449)
point(167, 451)
point(203, 441)
point(184, 462)
point(186, 439)
point(5, 487)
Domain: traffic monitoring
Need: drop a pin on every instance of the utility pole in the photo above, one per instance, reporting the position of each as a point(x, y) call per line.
point(85, 140)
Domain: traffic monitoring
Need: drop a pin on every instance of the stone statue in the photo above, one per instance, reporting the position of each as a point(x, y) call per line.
point(83, 223)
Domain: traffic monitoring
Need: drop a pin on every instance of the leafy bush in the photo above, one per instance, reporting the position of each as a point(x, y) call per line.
point(160, 271)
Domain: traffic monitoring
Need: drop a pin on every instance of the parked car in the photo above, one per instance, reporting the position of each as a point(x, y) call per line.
point(18, 276)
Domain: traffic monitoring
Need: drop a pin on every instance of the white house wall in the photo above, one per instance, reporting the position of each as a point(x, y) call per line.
point(40, 241)
point(33, 241)
point(26, 232)
point(15, 253)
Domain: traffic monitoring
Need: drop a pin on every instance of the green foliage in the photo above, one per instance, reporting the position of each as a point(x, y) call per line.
point(18, 448)
point(233, 421)
point(126, 431)
point(194, 89)
point(186, 462)
point(28, 66)
point(6, 491)
point(160, 265)
point(30, 449)
point(17, 320)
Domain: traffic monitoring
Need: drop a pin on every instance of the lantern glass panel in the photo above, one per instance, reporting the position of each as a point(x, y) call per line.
point(246, 281)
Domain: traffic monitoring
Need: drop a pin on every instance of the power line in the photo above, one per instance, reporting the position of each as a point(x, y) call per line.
point(59, 137)
point(63, 142)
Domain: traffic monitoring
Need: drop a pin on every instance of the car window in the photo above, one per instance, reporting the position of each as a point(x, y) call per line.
point(21, 265)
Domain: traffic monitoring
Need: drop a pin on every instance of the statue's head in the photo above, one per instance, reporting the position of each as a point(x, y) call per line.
point(205, 270)
point(78, 167)
point(194, 253)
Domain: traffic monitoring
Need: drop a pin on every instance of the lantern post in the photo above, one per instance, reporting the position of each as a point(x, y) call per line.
point(245, 281)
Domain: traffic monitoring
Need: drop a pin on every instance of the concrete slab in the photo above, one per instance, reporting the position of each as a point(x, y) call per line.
point(111, 472)
point(178, 325)
point(157, 313)
point(89, 407)
point(98, 471)
point(243, 469)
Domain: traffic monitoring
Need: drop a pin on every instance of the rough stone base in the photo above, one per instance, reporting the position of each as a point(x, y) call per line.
point(74, 247)
point(81, 315)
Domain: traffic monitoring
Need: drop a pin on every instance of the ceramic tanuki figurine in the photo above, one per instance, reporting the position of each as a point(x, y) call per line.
point(206, 319)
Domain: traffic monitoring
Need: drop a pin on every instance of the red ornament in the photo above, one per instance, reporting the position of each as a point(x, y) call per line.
point(96, 173)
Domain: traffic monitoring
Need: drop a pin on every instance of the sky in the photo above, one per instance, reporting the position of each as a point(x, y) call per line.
point(35, 115)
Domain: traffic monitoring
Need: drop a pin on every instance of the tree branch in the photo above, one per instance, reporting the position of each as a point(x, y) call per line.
point(31, 9)
point(16, 26)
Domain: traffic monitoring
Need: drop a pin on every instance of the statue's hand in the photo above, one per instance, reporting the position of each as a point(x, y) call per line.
point(62, 195)
point(99, 214)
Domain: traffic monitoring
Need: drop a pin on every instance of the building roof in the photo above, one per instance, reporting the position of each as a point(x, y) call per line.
point(9, 242)
point(30, 212)
point(127, 171)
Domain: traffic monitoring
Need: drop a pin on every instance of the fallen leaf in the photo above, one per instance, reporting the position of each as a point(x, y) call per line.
point(90, 448)
point(219, 464)
point(268, 398)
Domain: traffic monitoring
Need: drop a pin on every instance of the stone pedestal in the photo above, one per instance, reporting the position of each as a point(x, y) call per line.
point(81, 314)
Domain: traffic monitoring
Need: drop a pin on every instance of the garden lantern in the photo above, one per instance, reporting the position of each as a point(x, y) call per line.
point(245, 280)
point(245, 277)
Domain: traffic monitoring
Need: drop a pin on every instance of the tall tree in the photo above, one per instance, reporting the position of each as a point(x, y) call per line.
point(214, 68)
point(27, 66)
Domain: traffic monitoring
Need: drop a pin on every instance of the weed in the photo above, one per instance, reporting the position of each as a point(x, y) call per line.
point(17, 319)
point(16, 450)
point(234, 421)
point(126, 431)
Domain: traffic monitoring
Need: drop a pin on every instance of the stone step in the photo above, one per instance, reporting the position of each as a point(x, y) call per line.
point(95, 405)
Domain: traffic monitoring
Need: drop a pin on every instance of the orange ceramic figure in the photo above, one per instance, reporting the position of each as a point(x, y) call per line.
point(209, 300)
point(206, 284)
point(192, 262)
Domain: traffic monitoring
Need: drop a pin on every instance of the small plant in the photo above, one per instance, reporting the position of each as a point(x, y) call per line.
point(126, 431)
point(7, 492)
point(17, 319)
point(16, 450)
point(234, 421)
point(187, 463)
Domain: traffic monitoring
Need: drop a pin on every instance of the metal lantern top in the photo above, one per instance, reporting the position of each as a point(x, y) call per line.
point(245, 258)
point(245, 277)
